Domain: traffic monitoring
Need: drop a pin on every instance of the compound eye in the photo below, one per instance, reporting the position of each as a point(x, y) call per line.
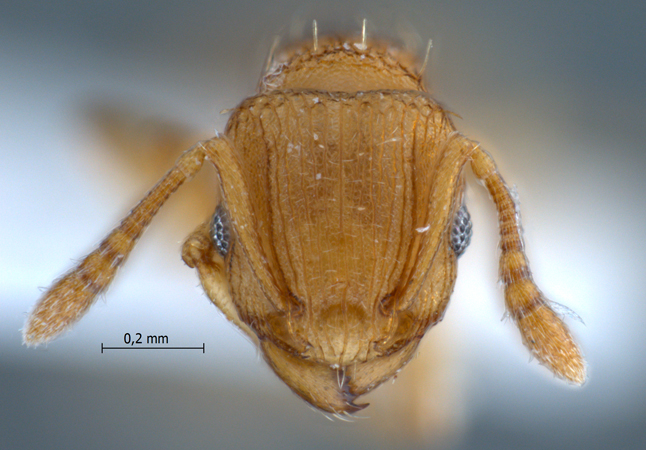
point(220, 230)
point(461, 231)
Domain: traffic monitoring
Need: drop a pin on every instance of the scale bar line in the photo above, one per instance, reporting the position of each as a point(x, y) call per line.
point(138, 347)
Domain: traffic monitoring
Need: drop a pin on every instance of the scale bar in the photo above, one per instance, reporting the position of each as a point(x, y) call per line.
point(138, 347)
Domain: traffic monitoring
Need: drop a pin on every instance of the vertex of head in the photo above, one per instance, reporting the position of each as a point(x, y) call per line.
point(342, 64)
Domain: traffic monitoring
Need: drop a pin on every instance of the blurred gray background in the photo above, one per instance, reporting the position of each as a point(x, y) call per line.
point(554, 91)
